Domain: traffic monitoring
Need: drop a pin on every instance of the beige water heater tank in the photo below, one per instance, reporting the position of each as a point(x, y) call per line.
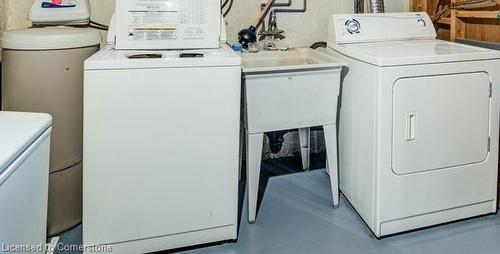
point(43, 72)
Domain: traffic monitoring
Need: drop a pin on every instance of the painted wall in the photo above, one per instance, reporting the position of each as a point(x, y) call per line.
point(2, 15)
point(16, 13)
point(300, 30)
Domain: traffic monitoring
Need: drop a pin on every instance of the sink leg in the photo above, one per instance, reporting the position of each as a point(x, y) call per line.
point(254, 158)
point(327, 167)
point(331, 151)
point(305, 150)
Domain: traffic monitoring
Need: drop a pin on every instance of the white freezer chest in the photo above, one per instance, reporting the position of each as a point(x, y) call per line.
point(24, 179)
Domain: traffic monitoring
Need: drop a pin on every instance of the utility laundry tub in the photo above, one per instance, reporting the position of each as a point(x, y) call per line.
point(285, 90)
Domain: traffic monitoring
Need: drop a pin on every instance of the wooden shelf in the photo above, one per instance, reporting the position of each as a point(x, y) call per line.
point(477, 22)
point(445, 21)
point(478, 14)
point(459, 24)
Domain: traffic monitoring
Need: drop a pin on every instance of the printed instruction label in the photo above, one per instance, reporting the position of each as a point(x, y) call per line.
point(58, 4)
point(167, 20)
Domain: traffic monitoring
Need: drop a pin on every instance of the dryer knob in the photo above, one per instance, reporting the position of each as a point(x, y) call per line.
point(422, 22)
point(353, 26)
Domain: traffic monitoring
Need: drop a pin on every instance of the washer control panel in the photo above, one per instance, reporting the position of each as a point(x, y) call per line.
point(353, 28)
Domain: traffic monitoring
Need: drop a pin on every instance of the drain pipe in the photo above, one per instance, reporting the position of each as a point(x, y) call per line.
point(359, 6)
point(376, 6)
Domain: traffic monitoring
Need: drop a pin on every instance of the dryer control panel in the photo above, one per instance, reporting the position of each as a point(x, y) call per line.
point(370, 27)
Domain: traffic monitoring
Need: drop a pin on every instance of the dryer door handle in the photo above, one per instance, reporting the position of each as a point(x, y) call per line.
point(411, 126)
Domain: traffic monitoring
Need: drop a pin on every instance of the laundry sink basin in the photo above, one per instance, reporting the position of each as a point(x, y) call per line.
point(294, 59)
point(290, 89)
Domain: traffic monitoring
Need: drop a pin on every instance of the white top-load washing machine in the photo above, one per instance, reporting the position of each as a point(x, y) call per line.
point(24, 181)
point(418, 138)
point(161, 145)
point(161, 149)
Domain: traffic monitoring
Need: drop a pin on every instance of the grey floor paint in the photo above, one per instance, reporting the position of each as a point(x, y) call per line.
point(296, 216)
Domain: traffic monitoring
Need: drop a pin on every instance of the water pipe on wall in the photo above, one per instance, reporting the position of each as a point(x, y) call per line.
point(303, 9)
point(273, 25)
point(263, 5)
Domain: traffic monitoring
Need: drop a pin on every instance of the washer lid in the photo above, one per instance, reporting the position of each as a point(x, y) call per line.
point(17, 132)
point(410, 52)
point(112, 59)
point(50, 38)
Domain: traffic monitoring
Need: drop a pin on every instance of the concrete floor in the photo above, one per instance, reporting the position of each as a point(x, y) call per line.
point(296, 216)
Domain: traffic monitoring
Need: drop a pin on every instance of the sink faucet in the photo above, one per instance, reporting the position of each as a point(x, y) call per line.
point(272, 30)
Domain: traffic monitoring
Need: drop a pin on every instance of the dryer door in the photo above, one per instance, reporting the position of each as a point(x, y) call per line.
point(440, 122)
